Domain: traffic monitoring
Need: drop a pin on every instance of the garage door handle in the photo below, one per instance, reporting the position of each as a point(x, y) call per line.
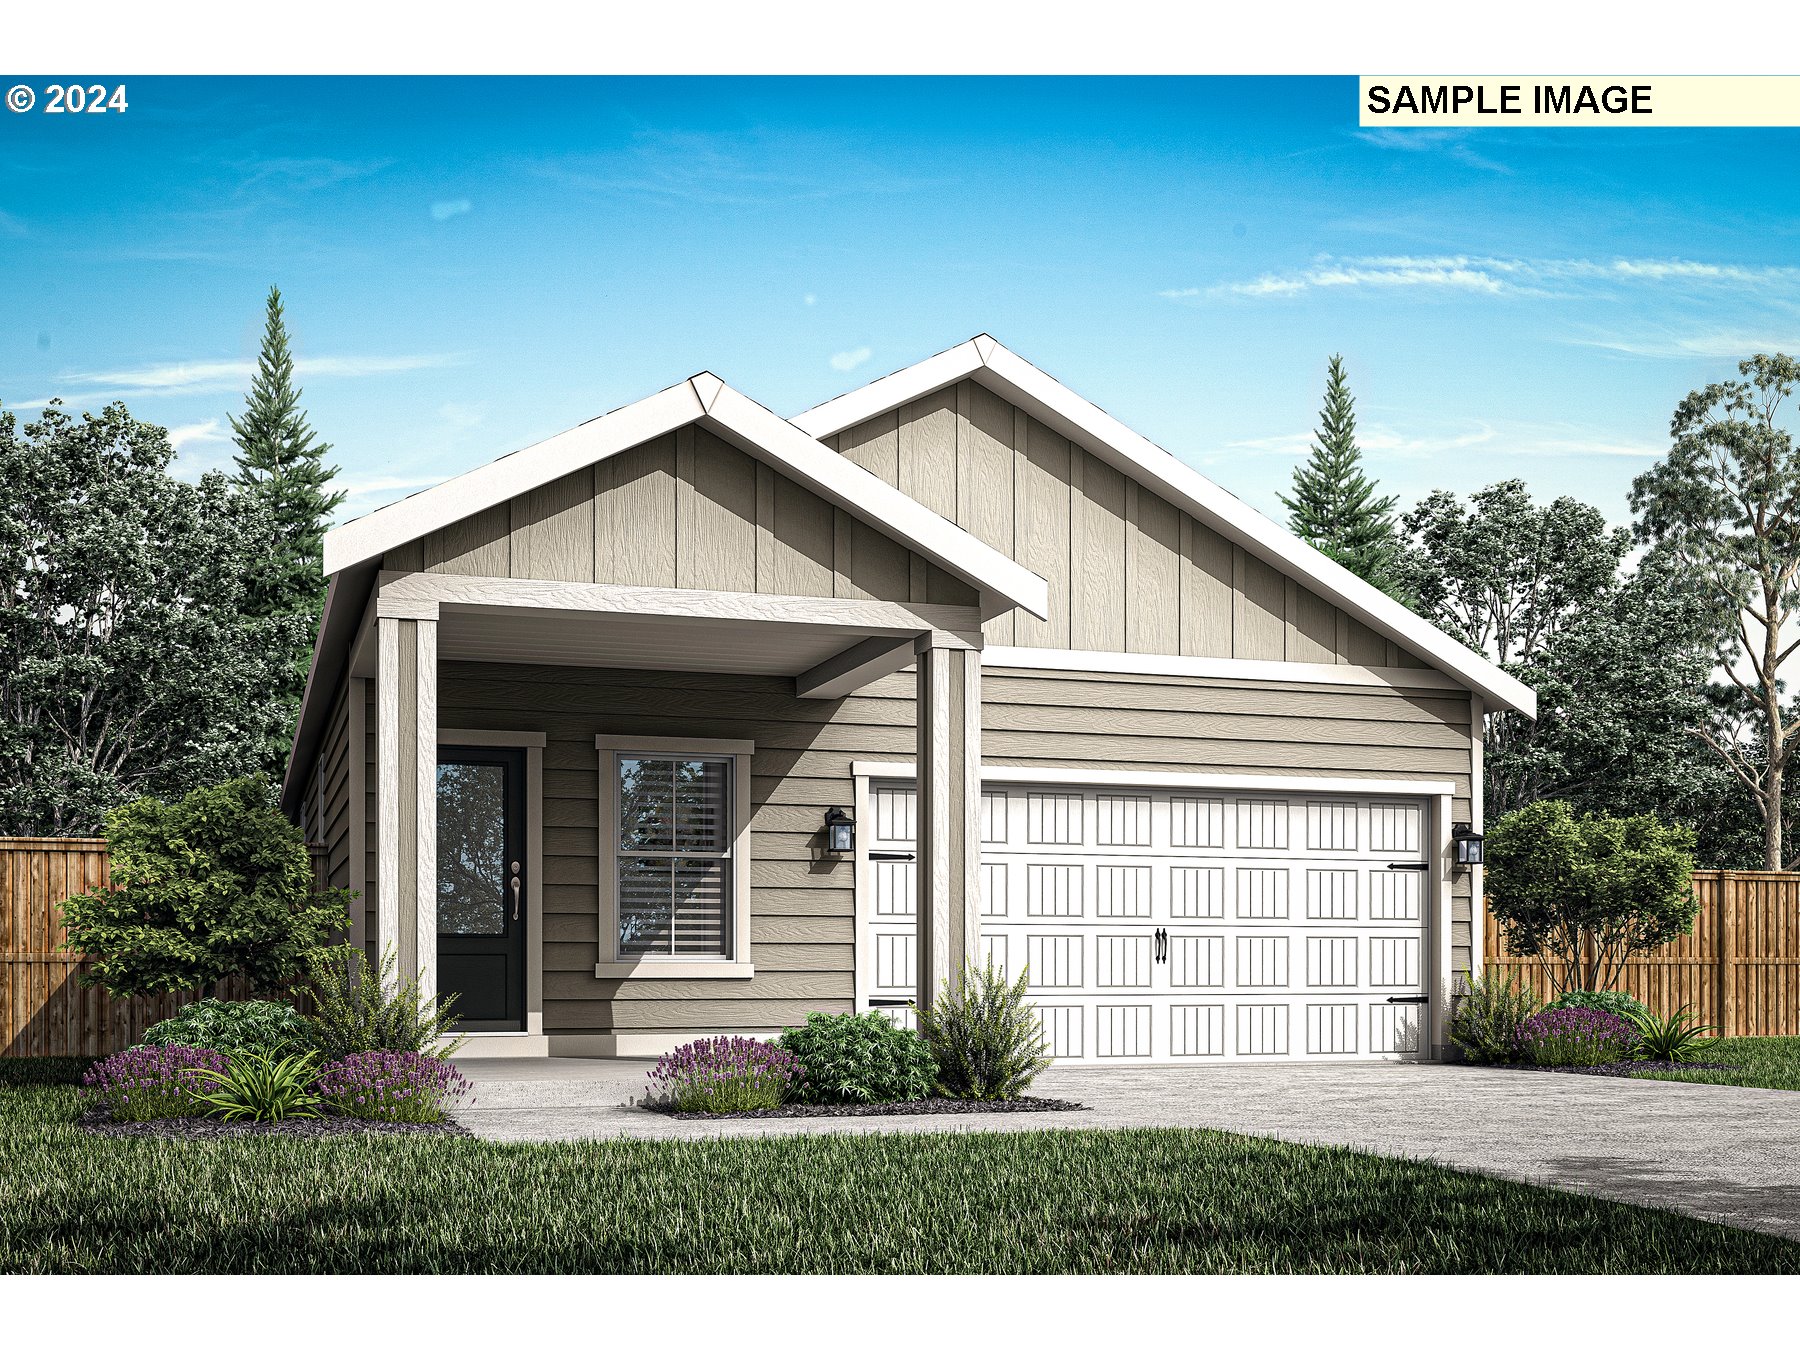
point(1407, 867)
point(890, 1003)
point(1410, 998)
point(891, 857)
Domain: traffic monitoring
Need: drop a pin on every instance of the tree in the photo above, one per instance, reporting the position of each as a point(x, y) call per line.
point(214, 885)
point(1726, 503)
point(127, 662)
point(1585, 893)
point(1334, 506)
point(1619, 659)
point(280, 462)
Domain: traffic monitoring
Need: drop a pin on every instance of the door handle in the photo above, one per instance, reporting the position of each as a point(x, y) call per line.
point(1408, 867)
point(1162, 946)
point(890, 857)
point(515, 891)
point(1410, 998)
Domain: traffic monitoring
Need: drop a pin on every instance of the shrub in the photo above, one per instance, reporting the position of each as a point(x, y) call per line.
point(1584, 893)
point(392, 1085)
point(1614, 1001)
point(259, 1087)
point(44, 1070)
point(152, 1082)
point(985, 1038)
point(851, 1057)
point(1487, 1019)
point(1673, 1039)
point(725, 1073)
point(1577, 1036)
point(254, 1025)
point(353, 1014)
point(214, 885)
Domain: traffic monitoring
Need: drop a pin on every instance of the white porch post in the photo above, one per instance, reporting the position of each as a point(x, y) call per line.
point(949, 801)
point(406, 792)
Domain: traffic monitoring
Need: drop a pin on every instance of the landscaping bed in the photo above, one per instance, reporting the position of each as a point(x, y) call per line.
point(929, 1106)
point(100, 1121)
point(1625, 1068)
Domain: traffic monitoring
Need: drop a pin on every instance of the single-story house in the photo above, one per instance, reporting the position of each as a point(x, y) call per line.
point(695, 719)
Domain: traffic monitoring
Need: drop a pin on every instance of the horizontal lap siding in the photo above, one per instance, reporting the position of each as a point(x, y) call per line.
point(803, 912)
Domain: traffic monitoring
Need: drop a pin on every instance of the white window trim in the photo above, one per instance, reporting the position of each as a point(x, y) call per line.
point(739, 965)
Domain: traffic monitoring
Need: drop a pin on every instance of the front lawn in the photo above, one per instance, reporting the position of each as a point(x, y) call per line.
point(1059, 1201)
point(1769, 1062)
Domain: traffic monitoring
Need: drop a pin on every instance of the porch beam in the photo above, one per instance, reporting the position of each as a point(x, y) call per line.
point(949, 801)
point(424, 594)
point(854, 667)
point(406, 796)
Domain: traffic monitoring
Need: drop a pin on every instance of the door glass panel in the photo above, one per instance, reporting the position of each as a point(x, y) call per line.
point(471, 856)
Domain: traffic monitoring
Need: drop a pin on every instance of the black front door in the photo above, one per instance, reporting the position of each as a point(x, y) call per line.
point(481, 885)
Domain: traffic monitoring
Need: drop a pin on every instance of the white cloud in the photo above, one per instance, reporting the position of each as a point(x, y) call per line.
point(1719, 344)
point(850, 360)
point(461, 206)
point(197, 433)
point(1430, 140)
point(811, 299)
point(165, 378)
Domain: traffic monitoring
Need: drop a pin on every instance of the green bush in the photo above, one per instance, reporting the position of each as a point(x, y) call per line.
point(985, 1038)
point(852, 1057)
point(1613, 1001)
point(1674, 1039)
point(261, 1087)
point(216, 1024)
point(214, 885)
point(353, 1011)
point(1486, 1020)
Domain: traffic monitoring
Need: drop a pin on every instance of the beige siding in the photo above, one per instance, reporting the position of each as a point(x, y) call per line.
point(803, 907)
point(371, 867)
point(687, 510)
point(1128, 571)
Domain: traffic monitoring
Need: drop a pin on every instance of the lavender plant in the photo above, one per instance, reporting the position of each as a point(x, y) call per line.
point(725, 1073)
point(152, 1082)
point(1577, 1036)
point(398, 1085)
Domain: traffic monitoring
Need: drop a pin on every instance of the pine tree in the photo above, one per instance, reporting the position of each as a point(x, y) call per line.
point(1335, 507)
point(280, 463)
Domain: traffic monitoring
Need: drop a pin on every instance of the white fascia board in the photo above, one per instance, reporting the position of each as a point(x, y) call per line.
point(887, 508)
point(1066, 412)
point(1216, 668)
point(1225, 782)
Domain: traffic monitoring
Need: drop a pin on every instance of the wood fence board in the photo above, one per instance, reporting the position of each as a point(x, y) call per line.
point(1739, 969)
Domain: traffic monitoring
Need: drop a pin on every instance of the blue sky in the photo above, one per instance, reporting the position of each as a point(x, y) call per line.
point(472, 265)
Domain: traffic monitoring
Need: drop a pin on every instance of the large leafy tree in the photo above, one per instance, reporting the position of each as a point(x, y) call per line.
point(1726, 503)
point(281, 461)
point(1335, 506)
point(1619, 658)
point(128, 661)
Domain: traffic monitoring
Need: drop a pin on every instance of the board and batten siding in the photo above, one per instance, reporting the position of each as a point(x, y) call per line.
point(684, 510)
point(803, 904)
point(1128, 570)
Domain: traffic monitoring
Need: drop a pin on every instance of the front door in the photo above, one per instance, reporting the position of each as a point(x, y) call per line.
point(481, 885)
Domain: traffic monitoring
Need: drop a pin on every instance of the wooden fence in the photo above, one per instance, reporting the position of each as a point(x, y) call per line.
point(44, 1008)
point(1739, 969)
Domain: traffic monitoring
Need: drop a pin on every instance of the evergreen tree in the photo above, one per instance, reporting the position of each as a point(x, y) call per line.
point(282, 466)
point(1335, 507)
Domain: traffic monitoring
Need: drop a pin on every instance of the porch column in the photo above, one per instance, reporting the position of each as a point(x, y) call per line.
point(406, 792)
point(949, 802)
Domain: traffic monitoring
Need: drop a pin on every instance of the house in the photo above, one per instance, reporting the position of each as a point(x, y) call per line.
point(578, 719)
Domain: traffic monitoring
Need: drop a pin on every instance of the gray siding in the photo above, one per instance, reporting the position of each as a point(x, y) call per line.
point(803, 908)
point(1128, 571)
point(685, 510)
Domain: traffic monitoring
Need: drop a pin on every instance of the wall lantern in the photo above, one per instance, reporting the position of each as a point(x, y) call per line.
point(1468, 846)
point(840, 831)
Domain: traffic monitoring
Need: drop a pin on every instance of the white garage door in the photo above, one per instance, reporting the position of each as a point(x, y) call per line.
point(1174, 926)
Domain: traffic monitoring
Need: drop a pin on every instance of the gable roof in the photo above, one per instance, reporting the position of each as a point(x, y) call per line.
point(708, 401)
point(1015, 379)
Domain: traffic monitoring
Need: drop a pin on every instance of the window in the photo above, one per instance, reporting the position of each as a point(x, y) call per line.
point(674, 824)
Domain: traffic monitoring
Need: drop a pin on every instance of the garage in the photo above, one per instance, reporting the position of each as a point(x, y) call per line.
point(1172, 924)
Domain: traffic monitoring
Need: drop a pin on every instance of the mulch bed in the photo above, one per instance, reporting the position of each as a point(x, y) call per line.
point(97, 1121)
point(1625, 1068)
point(932, 1106)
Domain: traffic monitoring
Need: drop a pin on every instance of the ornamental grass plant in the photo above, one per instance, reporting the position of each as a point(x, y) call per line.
point(1577, 1037)
point(261, 1087)
point(393, 1085)
point(720, 1074)
point(1489, 1016)
point(152, 1082)
point(985, 1036)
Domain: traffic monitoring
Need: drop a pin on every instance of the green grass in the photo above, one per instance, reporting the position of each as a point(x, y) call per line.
point(1769, 1062)
point(1059, 1201)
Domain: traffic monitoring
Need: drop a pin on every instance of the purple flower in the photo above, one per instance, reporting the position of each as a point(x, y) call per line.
point(150, 1082)
point(1577, 1036)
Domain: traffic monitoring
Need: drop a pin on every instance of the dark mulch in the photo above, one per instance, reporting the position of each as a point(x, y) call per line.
point(1625, 1068)
point(97, 1121)
point(931, 1106)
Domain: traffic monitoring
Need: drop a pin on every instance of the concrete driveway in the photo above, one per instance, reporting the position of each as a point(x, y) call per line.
point(1727, 1154)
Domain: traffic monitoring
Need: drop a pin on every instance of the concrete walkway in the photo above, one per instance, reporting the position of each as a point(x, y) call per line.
point(1727, 1154)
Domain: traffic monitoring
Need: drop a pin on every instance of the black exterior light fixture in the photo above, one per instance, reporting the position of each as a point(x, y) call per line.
point(840, 831)
point(1468, 845)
